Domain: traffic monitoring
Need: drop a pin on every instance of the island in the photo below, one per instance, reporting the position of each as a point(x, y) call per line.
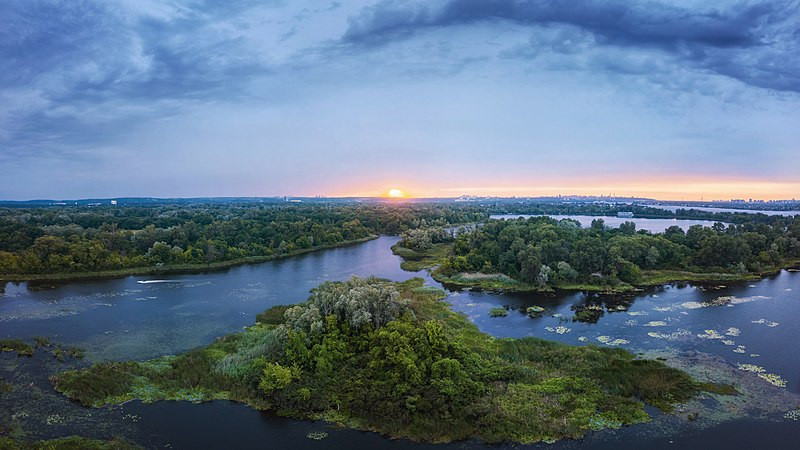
point(392, 357)
point(543, 253)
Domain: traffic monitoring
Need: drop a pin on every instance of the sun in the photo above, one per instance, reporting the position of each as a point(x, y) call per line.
point(396, 193)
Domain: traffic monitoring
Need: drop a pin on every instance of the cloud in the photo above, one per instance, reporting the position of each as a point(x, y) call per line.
point(77, 71)
point(755, 43)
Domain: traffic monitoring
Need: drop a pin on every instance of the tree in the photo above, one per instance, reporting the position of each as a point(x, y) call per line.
point(274, 377)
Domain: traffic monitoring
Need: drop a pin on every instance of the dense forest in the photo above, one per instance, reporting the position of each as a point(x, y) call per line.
point(64, 240)
point(393, 358)
point(545, 251)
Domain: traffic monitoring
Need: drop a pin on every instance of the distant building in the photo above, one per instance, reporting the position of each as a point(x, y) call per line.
point(114, 202)
point(626, 214)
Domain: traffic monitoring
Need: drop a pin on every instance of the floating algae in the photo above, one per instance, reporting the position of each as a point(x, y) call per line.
point(725, 300)
point(770, 378)
point(710, 334)
point(733, 331)
point(766, 322)
point(656, 323)
point(612, 342)
point(559, 329)
point(680, 333)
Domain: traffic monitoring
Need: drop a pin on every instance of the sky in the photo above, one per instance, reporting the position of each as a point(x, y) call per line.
point(678, 99)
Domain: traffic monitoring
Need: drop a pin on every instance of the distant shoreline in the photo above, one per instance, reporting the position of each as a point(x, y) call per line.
point(172, 269)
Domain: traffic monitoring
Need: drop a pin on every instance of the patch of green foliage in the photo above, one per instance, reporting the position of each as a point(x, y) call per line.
point(498, 312)
point(588, 313)
point(541, 252)
point(393, 358)
point(718, 388)
point(41, 341)
point(272, 316)
point(427, 258)
point(76, 352)
point(67, 443)
point(17, 345)
point(5, 387)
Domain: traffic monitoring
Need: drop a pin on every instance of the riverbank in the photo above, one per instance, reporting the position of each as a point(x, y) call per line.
point(431, 259)
point(173, 269)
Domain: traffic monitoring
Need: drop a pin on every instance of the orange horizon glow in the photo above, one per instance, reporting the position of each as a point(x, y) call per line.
point(678, 188)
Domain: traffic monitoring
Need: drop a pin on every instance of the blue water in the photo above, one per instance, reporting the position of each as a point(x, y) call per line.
point(123, 319)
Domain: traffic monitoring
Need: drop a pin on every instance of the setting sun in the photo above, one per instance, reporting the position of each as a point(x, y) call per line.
point(396, 193)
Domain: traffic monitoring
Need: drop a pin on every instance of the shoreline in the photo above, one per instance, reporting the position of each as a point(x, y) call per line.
point(501, 282)
point(696, 278)
point(171, 270)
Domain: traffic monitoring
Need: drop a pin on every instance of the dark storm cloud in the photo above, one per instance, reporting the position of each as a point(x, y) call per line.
point(756, 43)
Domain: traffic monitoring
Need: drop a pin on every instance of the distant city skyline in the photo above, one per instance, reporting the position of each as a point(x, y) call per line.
point(666, 99)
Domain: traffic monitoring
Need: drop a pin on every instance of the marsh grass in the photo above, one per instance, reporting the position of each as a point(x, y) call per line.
point(19, 346)
point(498, 312)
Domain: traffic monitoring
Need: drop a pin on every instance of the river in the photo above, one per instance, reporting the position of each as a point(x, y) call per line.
point(120, 319)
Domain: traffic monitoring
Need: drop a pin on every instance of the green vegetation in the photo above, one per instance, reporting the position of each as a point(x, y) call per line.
point(498, 312)
point(717, 388)
point(16, 345)
point(5, 387)
point(534, 311)
point(69, 242)
point(67, 443)
point(41, 341)
point(393, 358)
point(423, 248)
point(541, 253)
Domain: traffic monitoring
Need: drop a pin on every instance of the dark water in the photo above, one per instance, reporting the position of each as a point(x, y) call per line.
point(125, 319)
point(753, 323)
point(652, 225)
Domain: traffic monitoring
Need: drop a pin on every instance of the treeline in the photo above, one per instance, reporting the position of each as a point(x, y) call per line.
point(601, 209)
point(76, 240)
point(546, 251)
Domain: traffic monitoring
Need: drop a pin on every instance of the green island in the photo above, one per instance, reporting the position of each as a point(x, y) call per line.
point(392, 357)
point(543, 254)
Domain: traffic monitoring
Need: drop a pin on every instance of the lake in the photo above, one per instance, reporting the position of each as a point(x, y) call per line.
point(651, 225)
point(713, 328)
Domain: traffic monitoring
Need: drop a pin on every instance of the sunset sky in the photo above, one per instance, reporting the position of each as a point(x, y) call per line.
point(439, 98)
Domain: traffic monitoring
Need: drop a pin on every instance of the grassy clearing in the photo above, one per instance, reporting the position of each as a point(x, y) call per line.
point(414, 261)
point(659, 277)
point(428, 374)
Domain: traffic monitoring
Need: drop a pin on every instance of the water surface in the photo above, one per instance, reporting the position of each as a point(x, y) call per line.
point(122, 318)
